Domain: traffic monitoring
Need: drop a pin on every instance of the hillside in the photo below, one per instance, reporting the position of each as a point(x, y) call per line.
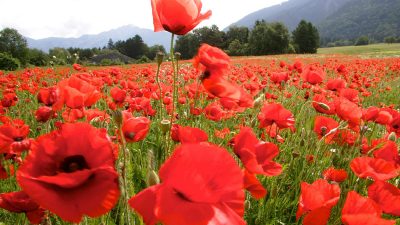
point(293, 11)
point(101, 39)
point(336, 19)
point(375, 18)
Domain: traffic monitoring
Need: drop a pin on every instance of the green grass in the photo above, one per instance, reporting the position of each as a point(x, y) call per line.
point(374, 50)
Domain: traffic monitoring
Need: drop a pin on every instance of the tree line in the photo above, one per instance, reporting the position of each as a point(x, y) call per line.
point(263, 39)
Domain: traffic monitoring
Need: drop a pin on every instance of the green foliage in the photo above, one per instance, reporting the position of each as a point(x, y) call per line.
point(7, 62)
point(306, 38)
point(268, 38)
point(110, 62)
point(236, 48)
point(143, 59)
point(390, 39)
point(187, 45)
point(211, 35)
point(15, 44)
point(237, 33)
point(132, 47)
point(363, 40)
point(37, 57)
point(376, 19)
point(153, 50)
point(61, 56)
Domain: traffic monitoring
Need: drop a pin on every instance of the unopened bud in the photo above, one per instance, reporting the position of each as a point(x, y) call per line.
point(160, 58)
point(303, 132)
point(324, 106)
point(177, 56)
point(117, 116)
point(258, 102)
point(152, 178)
point(392, 136)
point(165, 124)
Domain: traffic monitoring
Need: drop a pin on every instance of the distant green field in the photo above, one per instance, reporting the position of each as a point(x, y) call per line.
point(375, 50)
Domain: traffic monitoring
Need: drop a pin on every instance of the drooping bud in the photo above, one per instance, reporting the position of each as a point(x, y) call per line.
point(152, 178)
point(165, 124)
point(160, 58)
point(392, 137)
point(117, 116)
point(177, 56)
point(324, 106)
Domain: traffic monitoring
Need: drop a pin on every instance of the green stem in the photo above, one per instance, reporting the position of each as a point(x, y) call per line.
point(172, 56)
point(123, 180)
point(159, 87)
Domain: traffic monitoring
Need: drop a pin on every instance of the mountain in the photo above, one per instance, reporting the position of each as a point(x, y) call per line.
point(293, 11)
point(335, 19)
point(375, 18)
point(101, 39)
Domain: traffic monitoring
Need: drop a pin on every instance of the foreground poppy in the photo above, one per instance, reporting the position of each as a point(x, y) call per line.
point(177, 16)
point(358, 210)
point(386, 195)
point(377, 169)
point(71, 172)
point(214, 62)
point(316, 201)
point(19, 202)
point(201, 184)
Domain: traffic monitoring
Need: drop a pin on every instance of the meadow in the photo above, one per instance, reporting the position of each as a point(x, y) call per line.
point(311, 113)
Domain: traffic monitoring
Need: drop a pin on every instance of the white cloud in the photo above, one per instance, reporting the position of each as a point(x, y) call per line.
point(73, 18)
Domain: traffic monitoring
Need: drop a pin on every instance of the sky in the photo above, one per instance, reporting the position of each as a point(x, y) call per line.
point(73, 18)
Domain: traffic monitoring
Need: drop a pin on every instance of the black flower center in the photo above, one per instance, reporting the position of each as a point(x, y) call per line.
point(205, 75)
point(18, 139)
point(396, 126)
point(73, 163)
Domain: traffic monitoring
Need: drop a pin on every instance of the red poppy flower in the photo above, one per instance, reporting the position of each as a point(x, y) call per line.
point(44, 113)
point(278, 78)
point(335, 84)
point(394, 126)
point(322, 105)
point(348, 111)
point(387, 196)
point(325, 127)
point(19, 202)
point(377, 115)
point(350, 94)
point(214, 62)
point(177, 16)
point(188, 134)
point(48, 96)
point(77, 93)
point(256, 156)
point(337, 175)
point(358, 210)
point(135, 128)
point(313, 75)
point(71, 172)
point(201, 184)
point(253, 185)
point(316, 201)
point(118, 95)
point(13, 137)
point(389, 152)
point(377, 169)
point(275, 113)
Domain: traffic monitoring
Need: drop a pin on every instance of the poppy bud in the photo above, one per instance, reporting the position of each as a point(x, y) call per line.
point(152, 178)
point(247, 205)
point(160, 58)
point(258, 102)
point(165, 126)
point(117, 116)
point(392, 137)
point(324, 106)
point(177, 56)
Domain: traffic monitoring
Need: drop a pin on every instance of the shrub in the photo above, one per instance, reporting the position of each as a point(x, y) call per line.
point(8, 63)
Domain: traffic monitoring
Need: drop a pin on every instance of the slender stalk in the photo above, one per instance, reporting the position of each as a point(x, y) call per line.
point(172, 57)
point(159, 88)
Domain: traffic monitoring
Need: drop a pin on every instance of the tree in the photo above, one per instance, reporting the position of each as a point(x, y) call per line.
point(153, 50)
point(390, 39)
point(306, 38)
point(15, 44)
point(110, 44)
point(132, 47)
point(187, 45)
point(7, 62)
point(237, 33)
point(37, 57)
point(268, 38)
point(236, 48)
point(212, 36)
point(60, 56)
point(363, 40)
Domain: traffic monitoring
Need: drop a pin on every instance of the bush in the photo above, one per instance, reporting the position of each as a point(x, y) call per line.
point(8, 63)
point(143, 59)
point(363, 40)
point(110, 62)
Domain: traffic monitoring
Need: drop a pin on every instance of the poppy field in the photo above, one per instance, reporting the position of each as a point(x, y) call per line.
point(317, 143)
point(291, 139)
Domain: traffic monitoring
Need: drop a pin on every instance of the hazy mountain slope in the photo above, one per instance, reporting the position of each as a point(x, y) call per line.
point(100, 40)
